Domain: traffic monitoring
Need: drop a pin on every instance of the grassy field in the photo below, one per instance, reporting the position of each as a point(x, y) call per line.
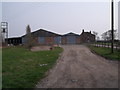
point(21, 67)
point(106, 52)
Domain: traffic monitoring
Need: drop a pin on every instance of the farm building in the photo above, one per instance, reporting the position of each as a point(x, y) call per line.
point(14, 40)
point(70, 38)
point(87, 37)
point(44, 37)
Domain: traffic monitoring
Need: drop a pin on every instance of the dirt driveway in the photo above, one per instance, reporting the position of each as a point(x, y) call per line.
point(77, 67)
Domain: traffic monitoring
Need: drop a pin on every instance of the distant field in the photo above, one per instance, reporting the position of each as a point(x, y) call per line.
point(22, 68)
point(106, 52)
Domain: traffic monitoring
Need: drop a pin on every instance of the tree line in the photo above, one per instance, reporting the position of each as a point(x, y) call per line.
point(106, 36)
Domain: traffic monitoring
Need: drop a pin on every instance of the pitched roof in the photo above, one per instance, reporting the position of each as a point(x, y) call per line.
point(87, 33)
point(71, 34)
point(14, 38)
point(43, 33)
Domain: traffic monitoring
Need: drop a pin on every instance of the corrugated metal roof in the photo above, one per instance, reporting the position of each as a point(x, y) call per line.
point(43, 33)
point(71, 34)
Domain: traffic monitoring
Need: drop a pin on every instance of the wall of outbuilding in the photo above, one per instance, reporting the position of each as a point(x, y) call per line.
point(63, 40)
point(86, 38)
point(78, 41)
point(49, 40)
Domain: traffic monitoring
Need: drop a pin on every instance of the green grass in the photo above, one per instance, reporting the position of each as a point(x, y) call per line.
point(106, 52)
point(21, 67)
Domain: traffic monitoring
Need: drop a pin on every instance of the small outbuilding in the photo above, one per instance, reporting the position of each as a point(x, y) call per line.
point(70, 38)
point(14, 41)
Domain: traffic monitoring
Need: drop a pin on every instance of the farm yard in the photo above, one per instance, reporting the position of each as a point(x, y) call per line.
point(64, 45)
point(22, 68)
point(78, 67)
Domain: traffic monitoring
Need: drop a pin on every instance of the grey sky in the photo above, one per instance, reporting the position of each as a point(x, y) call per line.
point(59, 17)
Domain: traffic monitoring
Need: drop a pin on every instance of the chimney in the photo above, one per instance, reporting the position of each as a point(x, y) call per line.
point(83, 31)
point(90, 32)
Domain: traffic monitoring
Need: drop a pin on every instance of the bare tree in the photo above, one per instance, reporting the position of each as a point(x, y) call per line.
point(108, 35)
point(98, 38)
point(105, 36)
point(96, 35)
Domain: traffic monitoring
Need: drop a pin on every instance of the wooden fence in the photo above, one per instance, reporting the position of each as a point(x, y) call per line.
point(107, 45)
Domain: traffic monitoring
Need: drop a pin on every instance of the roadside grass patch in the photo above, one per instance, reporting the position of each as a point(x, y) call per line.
point(106, 52)
point(21, 67)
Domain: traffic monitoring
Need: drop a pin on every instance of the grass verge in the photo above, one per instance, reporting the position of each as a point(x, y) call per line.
point(21, 67)
point(106, 52)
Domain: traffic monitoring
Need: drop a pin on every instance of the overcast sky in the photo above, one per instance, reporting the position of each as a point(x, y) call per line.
point(59, 17)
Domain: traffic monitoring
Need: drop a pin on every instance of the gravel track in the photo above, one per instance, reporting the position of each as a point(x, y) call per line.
point(78, 67)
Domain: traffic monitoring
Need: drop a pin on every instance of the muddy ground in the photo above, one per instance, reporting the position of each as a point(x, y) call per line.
point(40, 48)
point(78, 67)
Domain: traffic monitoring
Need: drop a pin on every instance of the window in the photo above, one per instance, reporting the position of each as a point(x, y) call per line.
point(23, 40)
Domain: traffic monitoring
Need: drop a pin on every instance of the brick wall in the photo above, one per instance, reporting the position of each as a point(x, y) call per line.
point(87, 37)
point(49, 40)
point(78, 40)
point(63, 40)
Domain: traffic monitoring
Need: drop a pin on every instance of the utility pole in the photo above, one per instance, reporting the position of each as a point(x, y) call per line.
point(112, 26)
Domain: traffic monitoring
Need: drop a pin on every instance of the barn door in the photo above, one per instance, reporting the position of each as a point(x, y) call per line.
point(71, 39)
point(57, 40)
point(41, 40)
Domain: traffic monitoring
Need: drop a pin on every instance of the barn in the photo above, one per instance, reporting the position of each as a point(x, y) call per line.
point(70, 38)
point(44, 37)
